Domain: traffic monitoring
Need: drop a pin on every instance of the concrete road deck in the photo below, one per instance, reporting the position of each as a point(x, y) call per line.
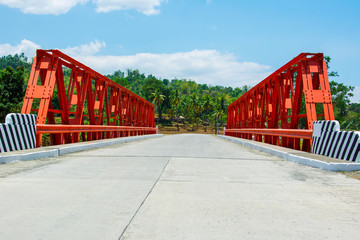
point(176, 187)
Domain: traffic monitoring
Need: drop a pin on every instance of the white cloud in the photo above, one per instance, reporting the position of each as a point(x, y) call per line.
point(27, 47)
point(55, 7)
point(147, 7)
point(85, 50)
point(203, 66)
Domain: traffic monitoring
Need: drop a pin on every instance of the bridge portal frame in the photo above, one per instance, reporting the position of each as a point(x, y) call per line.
point(272, 110)
point(90, 105)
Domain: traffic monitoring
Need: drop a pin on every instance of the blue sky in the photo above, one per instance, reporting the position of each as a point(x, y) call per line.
point(225, 42)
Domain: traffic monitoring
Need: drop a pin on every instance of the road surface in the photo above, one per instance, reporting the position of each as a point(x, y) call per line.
point(175, 187)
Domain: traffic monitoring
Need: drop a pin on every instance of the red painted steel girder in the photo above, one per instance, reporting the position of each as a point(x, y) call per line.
point(84, 97)
point(298, 90)
point(125, 130)
point(293, 133)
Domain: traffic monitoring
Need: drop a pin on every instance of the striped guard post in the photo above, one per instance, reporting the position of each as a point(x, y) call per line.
point(18, 132)
point(329, 141)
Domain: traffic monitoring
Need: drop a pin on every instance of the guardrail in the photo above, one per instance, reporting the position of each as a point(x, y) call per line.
point(91, 132)
point(281, 137)
point(290, 133)
point(132, 131)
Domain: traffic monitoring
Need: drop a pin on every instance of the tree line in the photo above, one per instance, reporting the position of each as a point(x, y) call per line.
point(181, 99)
point(175, 100)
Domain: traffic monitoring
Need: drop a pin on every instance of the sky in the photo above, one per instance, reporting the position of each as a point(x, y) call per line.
point(218, 42)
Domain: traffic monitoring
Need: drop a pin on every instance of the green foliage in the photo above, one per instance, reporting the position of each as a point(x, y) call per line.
point(11, 90)
point(123, 82)
point(355, 107)
point(181, 98)
point(340, 94)
point(200, 104)
point(158, 98)
point(150, 85)
point(175, 106)
point(12, 83)
point(15, 61)
point(328, 60)
point(346, 113)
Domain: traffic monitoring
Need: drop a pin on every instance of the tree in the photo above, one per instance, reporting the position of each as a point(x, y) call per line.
point(340, 94)
point(348, 114)
point(185, 107)
point(175, 102)
point(15, 61)
point(123, 82)
point(166, 82)
point(136, 81)
point(355, 107)
point(194, 107)
point(206, 110)
point(217, 115)
point(158, 98)
point(245, 88)
point(219, 112)
point(151, 84)
point(118, 74)
point(11, 90)
point(332, 73)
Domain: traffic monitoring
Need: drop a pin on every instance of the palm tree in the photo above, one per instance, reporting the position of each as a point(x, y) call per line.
point(218, 115)
point(195, 106)
point(219, 111)
point(158, 98)
point(206, 106)
point(185, 106)
point(175, 100)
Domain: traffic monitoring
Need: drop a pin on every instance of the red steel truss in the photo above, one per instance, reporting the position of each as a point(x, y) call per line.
point(82, 104)
point(292, 97)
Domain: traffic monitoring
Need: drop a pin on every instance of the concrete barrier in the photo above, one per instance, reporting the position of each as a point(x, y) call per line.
point(329, 141)
point(18, 132)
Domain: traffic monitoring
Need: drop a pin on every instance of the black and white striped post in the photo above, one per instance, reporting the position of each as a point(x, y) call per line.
point(329, 141)
point(18, 132)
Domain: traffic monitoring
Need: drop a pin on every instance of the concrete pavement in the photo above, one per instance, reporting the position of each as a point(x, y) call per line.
point(59, 150)
point(177, 187)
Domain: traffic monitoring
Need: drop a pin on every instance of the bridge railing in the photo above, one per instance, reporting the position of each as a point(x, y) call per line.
point(284, 133)
point(75, 103)
point(280, 110)
point(107, 130)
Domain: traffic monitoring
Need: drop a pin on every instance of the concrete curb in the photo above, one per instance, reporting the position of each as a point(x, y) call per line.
point(55, 151)
point(291, 155)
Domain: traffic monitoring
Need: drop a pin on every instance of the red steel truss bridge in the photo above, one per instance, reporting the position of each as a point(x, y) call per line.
point(280, 110)
point(75, 103)
point(82, 105)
